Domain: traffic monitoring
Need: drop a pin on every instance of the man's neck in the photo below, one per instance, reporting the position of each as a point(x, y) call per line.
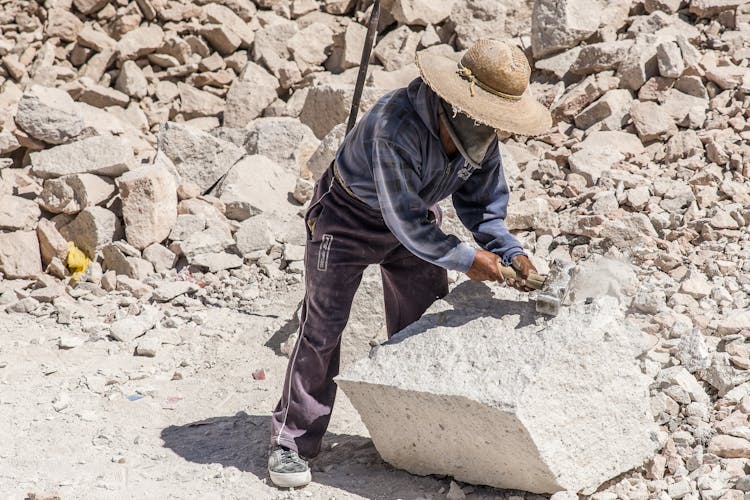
point(448, 145)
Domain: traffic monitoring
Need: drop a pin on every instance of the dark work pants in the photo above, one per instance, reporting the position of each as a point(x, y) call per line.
point(344, 236)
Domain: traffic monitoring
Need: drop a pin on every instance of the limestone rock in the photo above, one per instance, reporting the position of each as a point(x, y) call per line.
point(256, 234)
point(477, 390)
point(198, 157)
point(397, 49)
point(132, 81)
point(477, 19)
point(196, 103)
point(103, 155)
point(601, 57)
point(612, 109)
point(63, 24)
point(72, 193)
point(90, 6)
point(222, 15)
point(162, 258)
point(729, 447)
point(49, 114)
point(311, 46)
point(422, 12)
point(326, 152)
point(249, 95)
point(18, 213)
point(125, 264)
point(256, 185)
point(559, 25)
point(347, 48)
point(652, 121)
point(601, 151)
point(328, 105)
point(140, 42)
point(132, 327)
point(149, 205)
point(709, 8)
point(51, 242)
point(284, 140)
point(19, 255)
point(92, 229)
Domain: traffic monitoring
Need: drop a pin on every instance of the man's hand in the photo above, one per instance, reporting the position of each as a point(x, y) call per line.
point(486, 267)
point(523, 267)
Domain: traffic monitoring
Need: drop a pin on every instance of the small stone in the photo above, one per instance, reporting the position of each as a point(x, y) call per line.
point(132, 81)
point(49, 114)
point(729, 447)
point(140, 42)
point(104, 155)
point(132, 327)
point(147, 347)
point(169, 291)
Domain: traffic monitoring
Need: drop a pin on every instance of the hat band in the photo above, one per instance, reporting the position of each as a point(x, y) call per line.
point(469, 75)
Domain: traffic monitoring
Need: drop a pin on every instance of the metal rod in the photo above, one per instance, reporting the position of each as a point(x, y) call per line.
point(372, 31)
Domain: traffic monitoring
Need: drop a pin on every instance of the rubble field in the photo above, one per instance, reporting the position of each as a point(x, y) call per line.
point(157, 156)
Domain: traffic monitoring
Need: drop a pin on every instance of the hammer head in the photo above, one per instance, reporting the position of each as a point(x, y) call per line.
point(555, 289)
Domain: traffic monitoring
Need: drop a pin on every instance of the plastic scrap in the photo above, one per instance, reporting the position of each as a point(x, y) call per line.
point(78, 261)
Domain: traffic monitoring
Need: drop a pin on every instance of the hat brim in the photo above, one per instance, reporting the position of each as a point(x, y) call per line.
point(525, 116)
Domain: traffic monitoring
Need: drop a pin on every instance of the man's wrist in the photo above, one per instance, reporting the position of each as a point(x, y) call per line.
point(507, 258)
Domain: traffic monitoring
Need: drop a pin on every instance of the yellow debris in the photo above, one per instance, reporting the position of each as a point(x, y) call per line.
point(78, 262)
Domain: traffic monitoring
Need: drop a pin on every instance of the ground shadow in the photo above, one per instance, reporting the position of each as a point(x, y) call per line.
point(348, 462)
point(281, 335)
point(471, 300)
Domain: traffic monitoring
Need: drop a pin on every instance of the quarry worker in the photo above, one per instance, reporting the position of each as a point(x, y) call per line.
point(375, 205)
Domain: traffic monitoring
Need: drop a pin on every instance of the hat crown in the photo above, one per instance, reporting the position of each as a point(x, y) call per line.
point(502, 67)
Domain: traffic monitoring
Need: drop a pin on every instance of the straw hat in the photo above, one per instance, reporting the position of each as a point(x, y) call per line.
point(490, 84)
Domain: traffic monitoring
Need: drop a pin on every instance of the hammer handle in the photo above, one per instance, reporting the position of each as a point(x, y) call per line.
point(534, 281)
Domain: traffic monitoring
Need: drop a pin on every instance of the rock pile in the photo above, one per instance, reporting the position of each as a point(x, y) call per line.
point(175, 145)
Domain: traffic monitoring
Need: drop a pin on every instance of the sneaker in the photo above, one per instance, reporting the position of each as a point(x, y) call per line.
point(287, 469)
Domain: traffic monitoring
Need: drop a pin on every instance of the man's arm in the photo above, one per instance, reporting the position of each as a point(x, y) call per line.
point(406, 214)
point(482, 204)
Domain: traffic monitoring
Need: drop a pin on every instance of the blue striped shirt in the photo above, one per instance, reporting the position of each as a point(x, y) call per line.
point(395, 162)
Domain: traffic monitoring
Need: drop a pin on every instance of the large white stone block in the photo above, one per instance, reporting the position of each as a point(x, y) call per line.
point(483, 389)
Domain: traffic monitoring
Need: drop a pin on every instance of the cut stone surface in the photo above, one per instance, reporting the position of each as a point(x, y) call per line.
point(149, 205)
point(256, 185)
point(199, 157)
point(480, 390)
point(104, 155)
point(49, 114)
point(284, 140)
point(19, 255)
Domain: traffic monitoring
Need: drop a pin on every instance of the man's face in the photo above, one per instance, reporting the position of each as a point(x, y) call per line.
point(475, 138)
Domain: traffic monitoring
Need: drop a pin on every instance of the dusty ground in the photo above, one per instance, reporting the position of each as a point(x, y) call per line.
point(97, 422)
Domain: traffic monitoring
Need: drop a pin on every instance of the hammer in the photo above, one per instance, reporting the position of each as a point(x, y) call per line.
point(552, 288)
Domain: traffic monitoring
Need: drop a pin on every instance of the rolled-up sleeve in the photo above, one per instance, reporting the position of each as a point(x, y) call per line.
point(482, 204)
point(406, 214)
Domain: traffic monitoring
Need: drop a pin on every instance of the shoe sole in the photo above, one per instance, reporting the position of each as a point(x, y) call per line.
point(291, 479)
